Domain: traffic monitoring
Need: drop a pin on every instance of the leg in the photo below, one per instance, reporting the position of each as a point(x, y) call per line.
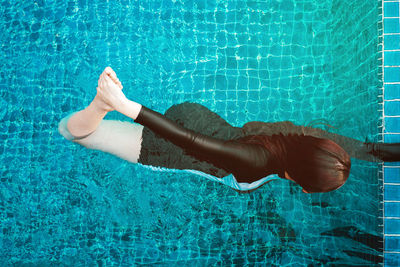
point(87, 128)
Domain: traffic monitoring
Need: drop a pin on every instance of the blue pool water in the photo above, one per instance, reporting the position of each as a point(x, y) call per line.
point(274, 60)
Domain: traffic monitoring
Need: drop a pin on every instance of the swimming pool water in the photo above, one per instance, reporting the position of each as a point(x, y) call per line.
point(305, 61)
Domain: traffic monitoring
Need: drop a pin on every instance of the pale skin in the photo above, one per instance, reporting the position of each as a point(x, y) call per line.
point(109, 97)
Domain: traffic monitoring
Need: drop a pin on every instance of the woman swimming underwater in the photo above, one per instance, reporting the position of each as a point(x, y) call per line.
point(191, 137)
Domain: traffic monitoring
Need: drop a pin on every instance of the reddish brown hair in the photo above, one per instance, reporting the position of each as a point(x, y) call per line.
point(316, 164)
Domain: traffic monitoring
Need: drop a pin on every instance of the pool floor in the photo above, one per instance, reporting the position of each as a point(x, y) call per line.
point(299, 60)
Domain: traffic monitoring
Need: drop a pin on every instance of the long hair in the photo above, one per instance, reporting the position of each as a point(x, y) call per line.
point(316, 164)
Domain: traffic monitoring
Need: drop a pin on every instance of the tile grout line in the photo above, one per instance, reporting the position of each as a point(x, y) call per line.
point(383, 128)
point(394, 101)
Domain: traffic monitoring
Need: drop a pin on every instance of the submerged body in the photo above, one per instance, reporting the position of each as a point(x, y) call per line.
point(140, 144)
point(191, 137)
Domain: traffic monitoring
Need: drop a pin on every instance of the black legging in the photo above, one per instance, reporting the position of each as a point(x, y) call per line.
point(249, 162)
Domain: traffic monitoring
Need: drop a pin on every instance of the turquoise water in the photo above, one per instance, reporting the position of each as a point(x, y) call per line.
point(61, 204)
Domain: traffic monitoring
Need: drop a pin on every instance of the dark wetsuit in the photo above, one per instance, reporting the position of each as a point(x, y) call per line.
point(190, 136)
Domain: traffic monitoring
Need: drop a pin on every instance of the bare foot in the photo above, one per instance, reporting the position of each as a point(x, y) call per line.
point(98, 100)
point(111, 73)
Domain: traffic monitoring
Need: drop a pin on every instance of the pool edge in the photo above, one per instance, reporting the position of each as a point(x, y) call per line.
point(390, 172)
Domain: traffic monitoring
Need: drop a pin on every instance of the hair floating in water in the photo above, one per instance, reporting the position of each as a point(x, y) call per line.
point(320, 122)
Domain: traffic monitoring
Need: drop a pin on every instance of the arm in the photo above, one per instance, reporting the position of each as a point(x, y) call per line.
point(87, 128)
point(375, 152)
point(119, 138)
point(246, 161)
point(82, 123)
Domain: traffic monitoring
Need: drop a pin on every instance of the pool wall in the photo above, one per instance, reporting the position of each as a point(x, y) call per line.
point(391, 131)
point(355, 58)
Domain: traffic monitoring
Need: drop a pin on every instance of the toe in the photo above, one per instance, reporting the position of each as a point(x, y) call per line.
point(108, 70)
